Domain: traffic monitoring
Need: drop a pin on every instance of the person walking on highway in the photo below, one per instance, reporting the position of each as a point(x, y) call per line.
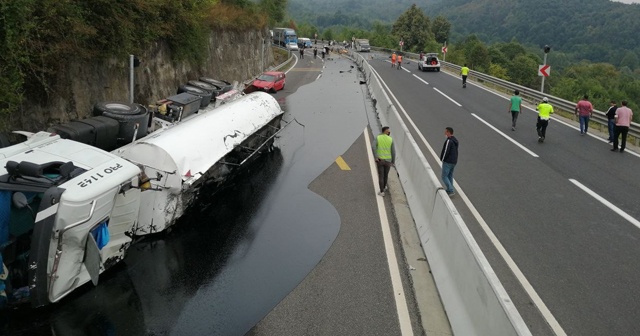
point(393, 59)
point(584, 110)
point(611, 119)
point(385, 154)
point(449, 158)
point(624, 115)
point(302, 52)
point(544, 114)
point(322, 53)
point(315, 52)
point(464, 71)
point(399, 61)
point(515, 107)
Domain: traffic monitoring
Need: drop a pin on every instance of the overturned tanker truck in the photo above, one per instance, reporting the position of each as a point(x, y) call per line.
point(70, 209)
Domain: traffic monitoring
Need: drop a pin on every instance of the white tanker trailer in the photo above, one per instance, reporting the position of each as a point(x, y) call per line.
point(70, 210)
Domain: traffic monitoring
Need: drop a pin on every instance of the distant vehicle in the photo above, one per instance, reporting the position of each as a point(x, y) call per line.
point(271, 81)
point(293, 46)
point(429, 62)
point(284, 36)
point(304, 42)
point(363, 45)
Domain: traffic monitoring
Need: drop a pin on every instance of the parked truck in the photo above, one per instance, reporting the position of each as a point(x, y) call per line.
point(70, 208)
point(363, 45)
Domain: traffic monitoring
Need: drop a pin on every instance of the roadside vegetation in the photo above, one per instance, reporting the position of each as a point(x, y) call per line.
point(40, 38)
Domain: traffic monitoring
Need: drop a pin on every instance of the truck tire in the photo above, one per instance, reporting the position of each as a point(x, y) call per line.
point(116, 108)
point(223, 85)
point(204, 94)
point(127, 115)
point(215, 91)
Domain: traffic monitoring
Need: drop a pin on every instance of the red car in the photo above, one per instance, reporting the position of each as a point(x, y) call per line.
point(271, 81)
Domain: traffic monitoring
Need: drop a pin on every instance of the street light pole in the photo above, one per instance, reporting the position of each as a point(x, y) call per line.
point(131, 65)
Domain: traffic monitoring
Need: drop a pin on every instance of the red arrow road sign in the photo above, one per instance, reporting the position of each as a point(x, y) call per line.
point(444, 50)
point(544, 70)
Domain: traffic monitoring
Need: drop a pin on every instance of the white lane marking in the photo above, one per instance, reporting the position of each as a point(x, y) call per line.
point(396, 281)
point(607, 203)
point(506, 136)
point(319, 75)
point(542, 307)
point(406, 70)
point(294, 64)
point(420, 79)
point(442, 93)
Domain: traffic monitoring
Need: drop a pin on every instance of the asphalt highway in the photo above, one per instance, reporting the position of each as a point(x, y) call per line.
point(565, 210)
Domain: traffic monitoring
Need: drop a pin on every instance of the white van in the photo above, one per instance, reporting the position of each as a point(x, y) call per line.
point(304, 42)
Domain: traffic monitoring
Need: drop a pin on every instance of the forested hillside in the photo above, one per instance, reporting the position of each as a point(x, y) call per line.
point(596, 30)
point(349, 13)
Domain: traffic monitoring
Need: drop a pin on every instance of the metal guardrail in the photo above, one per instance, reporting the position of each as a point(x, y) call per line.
point(528, 94)
point(281, 65)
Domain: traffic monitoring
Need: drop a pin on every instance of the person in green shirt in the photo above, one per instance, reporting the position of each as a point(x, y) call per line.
point(515, 107)
point(464, 71)
point(544, 114)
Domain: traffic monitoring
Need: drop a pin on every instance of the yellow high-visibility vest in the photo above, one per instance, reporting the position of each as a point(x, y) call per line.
point(383, 150)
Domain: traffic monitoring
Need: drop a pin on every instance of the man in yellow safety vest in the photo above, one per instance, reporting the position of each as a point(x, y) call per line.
point(464, 71)
point(544, 114)
point(385, 157)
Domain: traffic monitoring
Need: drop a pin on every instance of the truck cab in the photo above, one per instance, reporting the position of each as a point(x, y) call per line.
point(66, 213)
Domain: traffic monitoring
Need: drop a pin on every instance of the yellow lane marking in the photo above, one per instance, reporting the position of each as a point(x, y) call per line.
point(342, 164)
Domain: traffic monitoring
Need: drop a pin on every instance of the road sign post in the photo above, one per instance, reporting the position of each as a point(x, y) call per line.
point(544, 69)
point(401, 44)
point(444, 52)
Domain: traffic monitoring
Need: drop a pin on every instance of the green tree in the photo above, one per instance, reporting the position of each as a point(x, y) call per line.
point(275, 9)
point(413, 27)
point(381, 35)
point(441, 28)
point(630, 60)
point(327, 34)
point(524, 71)
point(478, 57)
point(496, 70)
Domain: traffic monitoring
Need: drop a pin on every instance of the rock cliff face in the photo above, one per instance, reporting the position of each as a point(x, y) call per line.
point(231, 56)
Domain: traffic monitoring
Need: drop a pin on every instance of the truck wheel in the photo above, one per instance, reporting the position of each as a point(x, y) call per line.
point(116, 108)
point(127, 115)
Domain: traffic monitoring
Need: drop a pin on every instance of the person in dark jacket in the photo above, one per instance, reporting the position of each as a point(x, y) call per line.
point(611, 117)
point(449, 158)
